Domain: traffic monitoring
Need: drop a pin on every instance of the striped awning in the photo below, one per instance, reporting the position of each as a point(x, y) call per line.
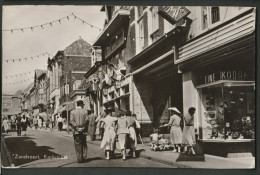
point(86, 102)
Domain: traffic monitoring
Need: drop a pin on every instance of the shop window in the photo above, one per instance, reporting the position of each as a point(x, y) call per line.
point(228, 112)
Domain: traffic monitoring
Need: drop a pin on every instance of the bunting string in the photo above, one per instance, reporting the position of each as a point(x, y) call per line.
point(19, 82)
point(51, 23)
point(26, 58)
point(18, 75)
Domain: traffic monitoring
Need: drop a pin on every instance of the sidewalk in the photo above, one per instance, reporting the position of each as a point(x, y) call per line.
point(181, 160)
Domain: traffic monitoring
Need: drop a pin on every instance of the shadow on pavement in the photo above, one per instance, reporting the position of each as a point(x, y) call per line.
point(92, 159)
point(24, 150)
point(186, 157)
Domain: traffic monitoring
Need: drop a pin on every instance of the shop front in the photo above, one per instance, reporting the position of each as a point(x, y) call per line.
point(156, 87)
point(224, 97)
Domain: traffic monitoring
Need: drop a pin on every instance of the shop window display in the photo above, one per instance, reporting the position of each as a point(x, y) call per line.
point(228, 112)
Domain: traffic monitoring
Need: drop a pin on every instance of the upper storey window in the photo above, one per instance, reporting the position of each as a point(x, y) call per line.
point(210, 15)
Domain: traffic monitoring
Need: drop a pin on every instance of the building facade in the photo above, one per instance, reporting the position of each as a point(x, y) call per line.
point(218, 77)
point(7, 105)
point(202, 57)
point(66, 70)
point(108, 85)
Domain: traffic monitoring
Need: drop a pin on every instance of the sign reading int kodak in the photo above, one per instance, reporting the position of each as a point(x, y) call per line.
point(226, 75)
point(173, 14)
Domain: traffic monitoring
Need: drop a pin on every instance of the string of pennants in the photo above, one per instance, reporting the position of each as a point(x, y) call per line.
point(19, 82)
point(51, 24)
point(19, 75)
point(26, 58)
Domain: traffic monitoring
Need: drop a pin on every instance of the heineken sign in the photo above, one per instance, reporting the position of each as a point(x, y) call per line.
point(173, 14)
point(226, 75)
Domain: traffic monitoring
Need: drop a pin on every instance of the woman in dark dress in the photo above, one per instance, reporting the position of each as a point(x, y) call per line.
point(24, 123)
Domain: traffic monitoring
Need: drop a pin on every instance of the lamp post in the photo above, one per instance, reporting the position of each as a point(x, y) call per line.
point(67, 106)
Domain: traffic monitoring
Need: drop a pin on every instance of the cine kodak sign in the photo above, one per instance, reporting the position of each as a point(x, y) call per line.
point(174, 14)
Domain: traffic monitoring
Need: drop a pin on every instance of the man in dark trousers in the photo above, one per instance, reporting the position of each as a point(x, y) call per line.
point(18, 125)
point(79, 122)
point(92, 125)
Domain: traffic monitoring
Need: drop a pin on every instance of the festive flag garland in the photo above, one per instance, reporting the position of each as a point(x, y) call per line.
point(19, 82)
point(18, 75)
point(26, 58)
point(31, 28)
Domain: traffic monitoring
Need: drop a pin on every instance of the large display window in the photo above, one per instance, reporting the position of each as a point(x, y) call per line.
point(227, 110)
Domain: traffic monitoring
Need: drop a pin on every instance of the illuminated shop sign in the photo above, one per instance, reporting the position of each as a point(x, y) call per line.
point(226, 75)
point(173, 14)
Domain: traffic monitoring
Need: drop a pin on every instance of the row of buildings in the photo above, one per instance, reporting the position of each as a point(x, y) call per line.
point(150, 58)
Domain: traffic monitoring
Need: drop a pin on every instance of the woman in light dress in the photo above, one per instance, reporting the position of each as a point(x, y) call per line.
point(188, 139)
point(108, 141)
point(6, 124)
point(175, 132)
point(123, 132)
point(132, 134)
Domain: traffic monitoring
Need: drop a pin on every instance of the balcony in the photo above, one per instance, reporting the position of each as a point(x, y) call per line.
point(120, 18)
point(235, 29)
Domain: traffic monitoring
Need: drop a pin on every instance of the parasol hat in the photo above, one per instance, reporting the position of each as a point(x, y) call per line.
point(174, 109)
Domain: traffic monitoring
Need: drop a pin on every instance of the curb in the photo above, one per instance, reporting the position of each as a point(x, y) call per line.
point(8, 154)
point(177, 165)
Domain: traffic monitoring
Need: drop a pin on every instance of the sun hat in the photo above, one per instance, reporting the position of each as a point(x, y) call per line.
point(174, 109)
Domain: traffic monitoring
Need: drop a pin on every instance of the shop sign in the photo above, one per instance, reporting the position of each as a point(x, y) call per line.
point(226, 75)
point(173, 14)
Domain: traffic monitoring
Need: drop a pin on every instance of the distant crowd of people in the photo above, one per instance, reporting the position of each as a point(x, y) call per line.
point(17, 123)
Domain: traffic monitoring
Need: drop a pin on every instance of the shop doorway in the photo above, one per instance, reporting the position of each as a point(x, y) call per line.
point(166, 93)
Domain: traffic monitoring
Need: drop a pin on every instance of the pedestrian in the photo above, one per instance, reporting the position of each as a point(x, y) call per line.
point(122, 132)
point(24, 123)
point(79, 122)
point(92, 125)
point(102, 125)
point(175, 132)
point(39, 122)
point(108, 141)
point(97, 121)
point(137, 129)
point(188, 138)
point(35, 122)
point(132, 141)
point(18, 125)
point(6, 124)
point(60, 123)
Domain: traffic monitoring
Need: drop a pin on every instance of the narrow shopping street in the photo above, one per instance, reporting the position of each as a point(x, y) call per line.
point(54, 150)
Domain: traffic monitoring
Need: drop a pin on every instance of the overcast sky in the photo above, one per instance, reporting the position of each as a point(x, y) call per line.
point(49, 39)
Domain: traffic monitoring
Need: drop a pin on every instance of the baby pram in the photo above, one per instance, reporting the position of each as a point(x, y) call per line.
point(162, 143)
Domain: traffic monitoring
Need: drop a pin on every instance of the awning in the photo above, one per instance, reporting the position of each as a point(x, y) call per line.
point(122, 16)
point(227, 83)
